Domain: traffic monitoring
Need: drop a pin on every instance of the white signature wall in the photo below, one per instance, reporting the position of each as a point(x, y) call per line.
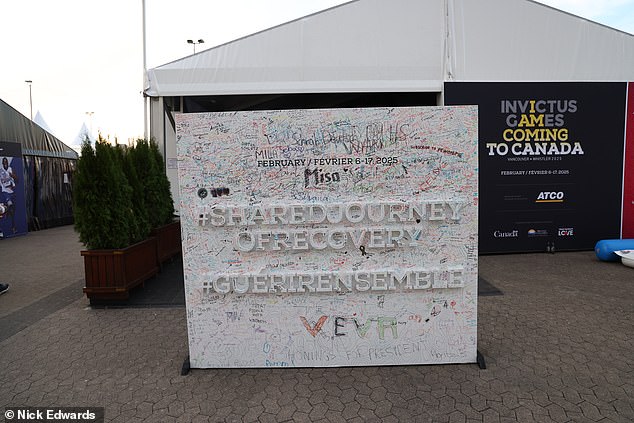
point(341, 237)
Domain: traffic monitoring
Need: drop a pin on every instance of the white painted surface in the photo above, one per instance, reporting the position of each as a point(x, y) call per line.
point(300, 250)
point(627, 257)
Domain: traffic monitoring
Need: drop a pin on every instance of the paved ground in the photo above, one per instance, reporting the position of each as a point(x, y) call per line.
point(558, 346)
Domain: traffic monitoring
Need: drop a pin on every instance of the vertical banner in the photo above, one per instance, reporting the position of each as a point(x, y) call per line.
point(551, 163)
point(12, 204)
point(341, 237)
point(628, 174)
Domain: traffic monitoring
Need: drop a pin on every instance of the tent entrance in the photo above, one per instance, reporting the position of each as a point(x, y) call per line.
point(220, 103)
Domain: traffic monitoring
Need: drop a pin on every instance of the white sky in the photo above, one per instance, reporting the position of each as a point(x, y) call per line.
point(87, 55)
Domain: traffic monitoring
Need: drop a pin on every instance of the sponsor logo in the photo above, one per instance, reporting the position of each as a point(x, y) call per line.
point(537, 232)
point(507, 234)
point(550, 197)
point(565, 232)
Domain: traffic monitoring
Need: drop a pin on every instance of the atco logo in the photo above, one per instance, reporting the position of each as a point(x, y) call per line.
point(565, 231)
point(550, 197)
point(511, 234)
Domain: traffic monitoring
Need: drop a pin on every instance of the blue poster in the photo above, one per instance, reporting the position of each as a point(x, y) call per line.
point(12, 204)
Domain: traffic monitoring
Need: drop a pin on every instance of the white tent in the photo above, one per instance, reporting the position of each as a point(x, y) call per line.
point(39, 119)
point(81, 137)
point(396, 46)
point(405, 45)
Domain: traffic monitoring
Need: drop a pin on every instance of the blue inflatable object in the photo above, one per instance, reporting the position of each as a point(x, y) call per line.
point(605, 248)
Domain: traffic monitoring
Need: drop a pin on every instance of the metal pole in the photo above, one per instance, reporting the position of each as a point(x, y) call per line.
point(145, 102)
point(31, 100)
point(28, 81)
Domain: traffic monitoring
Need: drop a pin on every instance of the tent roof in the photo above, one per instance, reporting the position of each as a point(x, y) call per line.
point(405, 45)
point(521, 40)
point(35, 141)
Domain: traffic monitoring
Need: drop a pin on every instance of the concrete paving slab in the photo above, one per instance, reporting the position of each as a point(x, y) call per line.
point(38, 264)
point(558, 346)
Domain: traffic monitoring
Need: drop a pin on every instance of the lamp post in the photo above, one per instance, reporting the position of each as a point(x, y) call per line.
point(145, 97)
point(28, 81)
point(200, 41)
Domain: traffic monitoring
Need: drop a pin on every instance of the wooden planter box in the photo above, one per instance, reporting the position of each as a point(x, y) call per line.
point(168, 240)
point(111, 274)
